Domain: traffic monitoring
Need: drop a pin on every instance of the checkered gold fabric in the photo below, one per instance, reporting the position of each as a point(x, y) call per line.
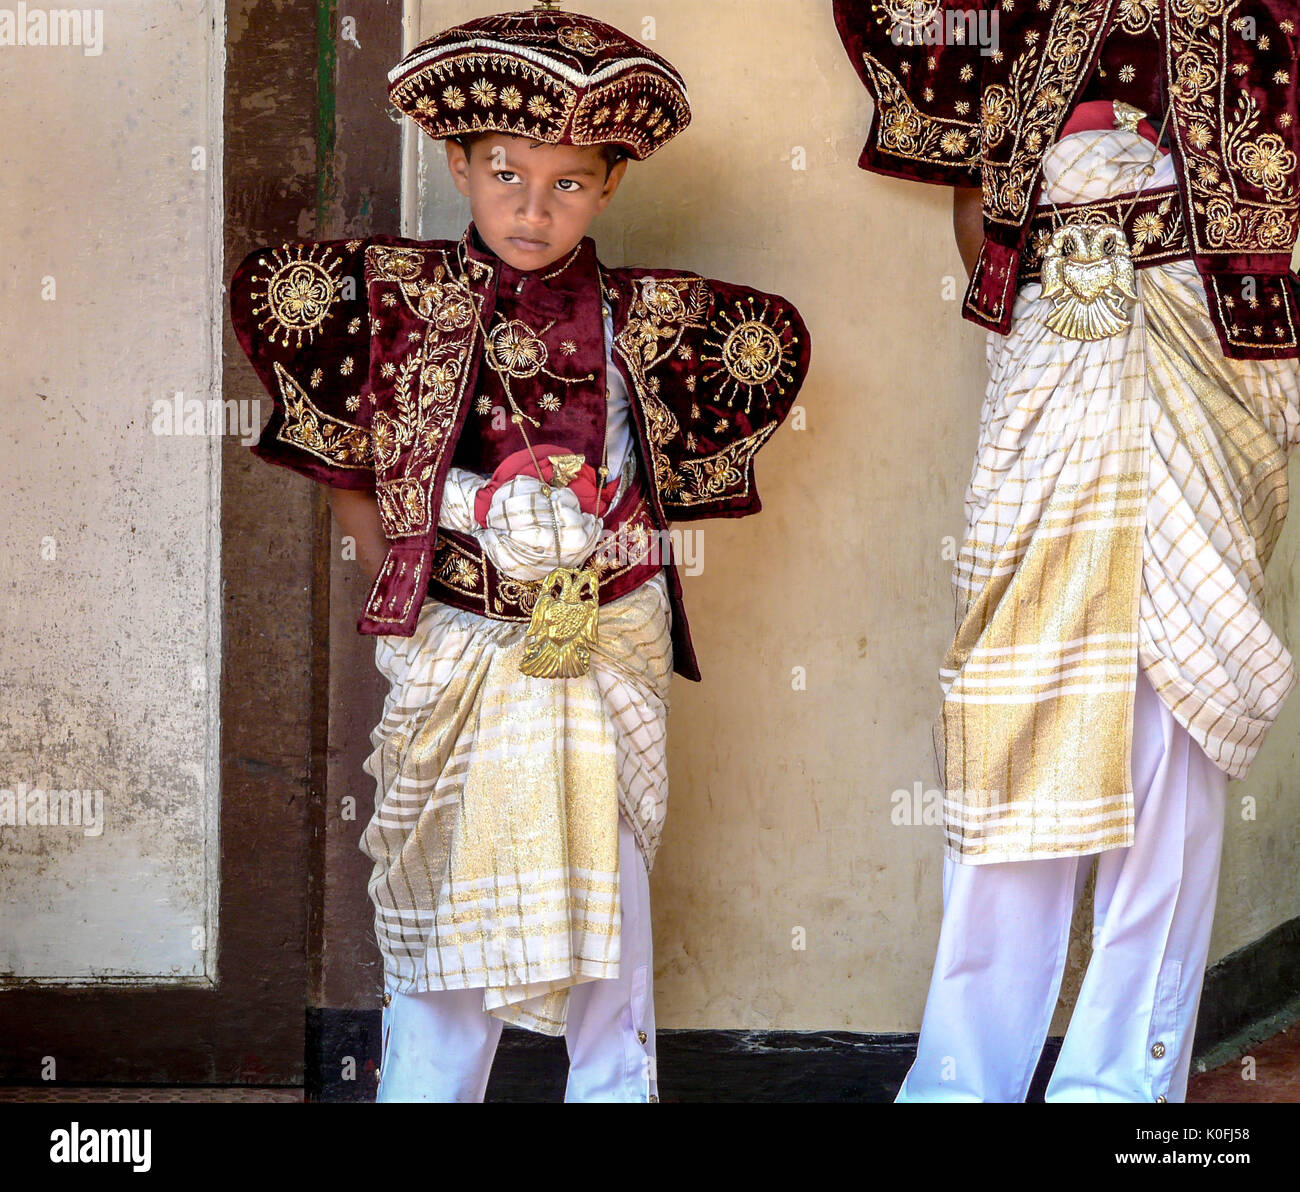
point(495, 830)
point(1125, 498)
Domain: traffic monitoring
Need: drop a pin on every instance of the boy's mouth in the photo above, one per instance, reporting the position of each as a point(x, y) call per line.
point(524, 244)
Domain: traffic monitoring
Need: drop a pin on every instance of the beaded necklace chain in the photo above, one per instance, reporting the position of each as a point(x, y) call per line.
point(565, 618)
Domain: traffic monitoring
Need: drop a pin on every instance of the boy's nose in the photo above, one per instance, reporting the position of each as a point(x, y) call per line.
point(533, 207)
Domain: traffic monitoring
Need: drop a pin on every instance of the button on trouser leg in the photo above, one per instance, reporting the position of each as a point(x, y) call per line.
point(611, 1027)
point(437, 1046)
point(1130, 1036)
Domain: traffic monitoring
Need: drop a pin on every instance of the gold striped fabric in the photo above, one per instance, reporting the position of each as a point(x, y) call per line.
point(495, 831)
point(1124, 500)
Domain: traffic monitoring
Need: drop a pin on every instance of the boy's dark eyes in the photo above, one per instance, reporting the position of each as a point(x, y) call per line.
point(567, 185)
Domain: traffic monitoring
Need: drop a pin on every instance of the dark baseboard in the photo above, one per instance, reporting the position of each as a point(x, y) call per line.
point(772, 1066)
point(1248, 985)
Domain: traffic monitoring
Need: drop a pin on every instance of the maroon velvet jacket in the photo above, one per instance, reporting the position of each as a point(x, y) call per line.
point(950, 114)
point(372, 351)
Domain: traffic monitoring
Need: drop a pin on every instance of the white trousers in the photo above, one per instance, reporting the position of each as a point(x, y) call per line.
point(439, 1045)
point(1006, 928)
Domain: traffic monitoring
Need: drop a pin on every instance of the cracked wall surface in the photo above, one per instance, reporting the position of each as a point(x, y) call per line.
point(110, 301)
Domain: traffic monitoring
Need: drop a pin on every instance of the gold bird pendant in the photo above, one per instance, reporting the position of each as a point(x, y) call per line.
point(564, 625)
point(1088, 274)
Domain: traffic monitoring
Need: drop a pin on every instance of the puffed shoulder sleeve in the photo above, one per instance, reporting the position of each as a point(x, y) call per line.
point(300, 313)
point(717, 368)
point(921, 66)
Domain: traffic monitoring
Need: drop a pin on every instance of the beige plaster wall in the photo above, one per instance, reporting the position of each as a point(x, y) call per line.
point(110, 300)
point(780, 812)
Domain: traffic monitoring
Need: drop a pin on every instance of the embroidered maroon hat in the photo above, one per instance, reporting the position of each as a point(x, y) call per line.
point(552, 76)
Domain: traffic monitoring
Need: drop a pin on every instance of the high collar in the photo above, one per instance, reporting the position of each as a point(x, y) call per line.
point(547, 290)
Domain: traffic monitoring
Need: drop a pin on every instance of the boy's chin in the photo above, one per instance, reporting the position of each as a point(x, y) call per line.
point(526, 256)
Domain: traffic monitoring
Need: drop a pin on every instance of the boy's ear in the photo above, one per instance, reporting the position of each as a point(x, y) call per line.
point(612, 183)
point(458, 164)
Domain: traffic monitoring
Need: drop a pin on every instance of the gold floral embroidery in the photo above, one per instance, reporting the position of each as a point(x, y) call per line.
point(337, 443)
point(1137, 16)
point(1228, 152)
point(908, 20)
point(1267, 162)
point(1028, 111)
point(512, 348)
point(297, 293)
point(581, 41)
point(725, 474)
point(905, 131)
point(428, 382)
point(746, 345)
point(753, 353)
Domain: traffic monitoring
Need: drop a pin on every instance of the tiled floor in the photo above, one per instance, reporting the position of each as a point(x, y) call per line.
point(1274, 1076)
point(92, 1094)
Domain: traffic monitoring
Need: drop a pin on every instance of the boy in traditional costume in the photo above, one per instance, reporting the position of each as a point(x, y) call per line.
point(1112, 668)
point(507, 426)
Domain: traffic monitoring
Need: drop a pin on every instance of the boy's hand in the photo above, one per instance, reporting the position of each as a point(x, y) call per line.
point(968, 223)
point(357, 513)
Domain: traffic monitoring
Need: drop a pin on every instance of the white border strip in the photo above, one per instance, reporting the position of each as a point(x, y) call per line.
point(576, 77)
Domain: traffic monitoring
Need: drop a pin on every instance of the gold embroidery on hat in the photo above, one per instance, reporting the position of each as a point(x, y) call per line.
point(581, 41)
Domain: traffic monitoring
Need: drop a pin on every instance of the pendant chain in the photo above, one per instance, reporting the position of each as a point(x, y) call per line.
point(1147, 171)
point(518, 417)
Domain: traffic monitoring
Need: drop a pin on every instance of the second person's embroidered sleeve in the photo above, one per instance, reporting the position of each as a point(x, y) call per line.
point(920, 62)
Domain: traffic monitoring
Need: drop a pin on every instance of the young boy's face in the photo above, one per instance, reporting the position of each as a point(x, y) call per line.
point(531, 202)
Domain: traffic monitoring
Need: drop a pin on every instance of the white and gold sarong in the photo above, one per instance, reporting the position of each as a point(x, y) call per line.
point(495, 830)
point(1125, 498)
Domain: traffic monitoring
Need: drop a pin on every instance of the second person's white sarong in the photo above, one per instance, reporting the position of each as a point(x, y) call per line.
point(1124, 500)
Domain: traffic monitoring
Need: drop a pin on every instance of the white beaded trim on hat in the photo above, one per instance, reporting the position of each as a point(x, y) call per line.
point(575, 77)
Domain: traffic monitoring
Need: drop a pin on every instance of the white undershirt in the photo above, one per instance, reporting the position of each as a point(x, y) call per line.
point(618, 430)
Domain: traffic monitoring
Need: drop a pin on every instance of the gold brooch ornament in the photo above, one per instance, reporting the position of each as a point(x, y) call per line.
point(1127, 117)
point(564, 625)
point(1088, 274)
point(1087, 266)
point(565, 469)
